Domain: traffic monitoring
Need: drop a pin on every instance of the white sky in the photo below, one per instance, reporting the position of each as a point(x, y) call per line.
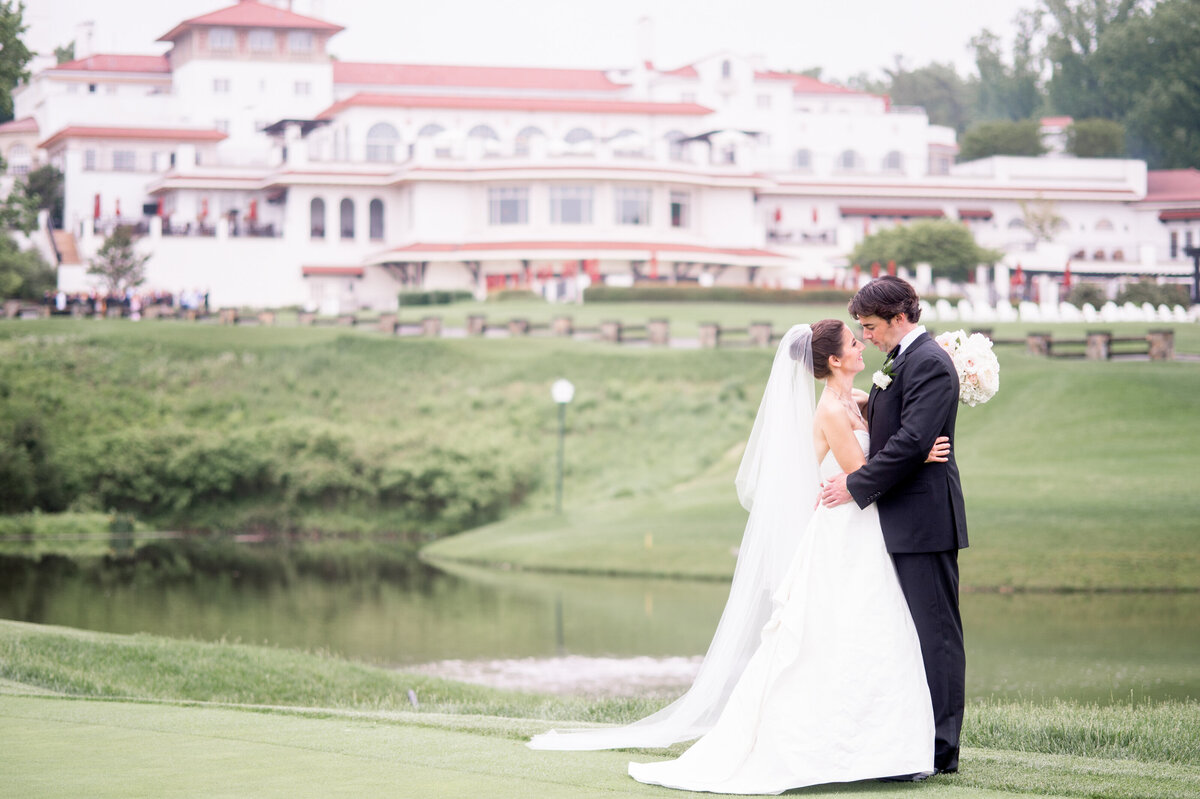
point(844, 37)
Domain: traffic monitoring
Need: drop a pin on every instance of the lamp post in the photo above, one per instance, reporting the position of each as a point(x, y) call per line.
point(563, 391)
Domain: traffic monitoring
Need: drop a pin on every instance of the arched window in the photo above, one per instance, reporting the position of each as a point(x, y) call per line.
point(381, 143)
point(524, 138)
point(316, 218)
point(1016, 223)
point(726, 69)
point(1104, 225)
point(346, 212)
point(483, 132)
point(432, 129)
point(849, 161)
point(893, 162)
point(19, 160)
point(629, 142)
point(677, 150)
point(803, 160)
point(578, 136)
point(376, 224)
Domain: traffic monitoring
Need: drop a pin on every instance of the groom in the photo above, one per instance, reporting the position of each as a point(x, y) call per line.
point(920, 504)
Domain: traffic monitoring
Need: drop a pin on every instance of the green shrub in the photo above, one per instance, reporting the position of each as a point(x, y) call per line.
point(713, 294)
point(433, 297)
point(1083, 293)
point(514, 295)
point(1170, 294)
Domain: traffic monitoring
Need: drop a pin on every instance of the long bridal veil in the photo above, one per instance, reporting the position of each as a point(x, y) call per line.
point(777, 482)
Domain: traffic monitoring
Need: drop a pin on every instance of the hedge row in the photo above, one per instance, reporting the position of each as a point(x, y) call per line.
point(434, 297)
point(714, 294)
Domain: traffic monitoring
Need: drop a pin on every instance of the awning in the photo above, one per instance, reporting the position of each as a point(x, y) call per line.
point(891, 213)
point(1179, 215)
point(974, 213)
point(332, 271)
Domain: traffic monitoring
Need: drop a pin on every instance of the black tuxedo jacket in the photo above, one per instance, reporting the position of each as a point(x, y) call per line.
point(920, 504)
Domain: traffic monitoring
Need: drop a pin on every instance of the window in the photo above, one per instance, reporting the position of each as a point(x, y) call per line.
point(571, 205)
point(578, 136)
point(381, 143)
point(346, 212)
point(524, 138)
point(303, 88)
point(262, 41)
point(893, 162)
point(316, 218)
point(91, 88)
point(300, 41)
point(803, 160)
point(89, 160)
point(376, 224)
point(629, 143)
point(221, 125)
point(19, 160)
point(1104, 225)
point(508, 206)
point(221, 85)
point(681, 209)
point(432, 129)
point(483, 132)
point(726, 69)
point(633, 206)
point(124, 160)
point(1016, 223)
point(221, 39)
point(849, 160)
point(1174, 244)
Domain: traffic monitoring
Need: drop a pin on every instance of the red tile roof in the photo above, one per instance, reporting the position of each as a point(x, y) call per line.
point(26, 125)
point(153, 134)
point(332, 271)
point(368, 100)
point(252, 14)
point(803, 84)
point(117, 63)
point(474, 77)
point(1056, 122)
point(1168, 185)
point(688, 71)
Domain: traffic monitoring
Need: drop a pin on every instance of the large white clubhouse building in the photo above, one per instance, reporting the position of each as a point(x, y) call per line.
point(262, 170)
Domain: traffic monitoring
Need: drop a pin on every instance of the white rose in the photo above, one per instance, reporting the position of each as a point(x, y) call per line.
point(881, 380)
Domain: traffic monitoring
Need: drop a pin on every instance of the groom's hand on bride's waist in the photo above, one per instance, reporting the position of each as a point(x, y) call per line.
point(833, 491)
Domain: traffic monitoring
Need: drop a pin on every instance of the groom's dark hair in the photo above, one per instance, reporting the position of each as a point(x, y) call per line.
point(886, 297)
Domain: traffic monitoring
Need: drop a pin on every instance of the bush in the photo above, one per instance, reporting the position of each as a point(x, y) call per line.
point(714, 294)
point(514, 295)
point(1083, 293)
point(1170, 294)
point(434, 297)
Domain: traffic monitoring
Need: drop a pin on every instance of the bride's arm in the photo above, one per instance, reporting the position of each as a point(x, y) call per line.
point(834, 424)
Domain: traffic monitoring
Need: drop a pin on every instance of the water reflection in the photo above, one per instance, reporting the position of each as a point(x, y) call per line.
point(1092, 647)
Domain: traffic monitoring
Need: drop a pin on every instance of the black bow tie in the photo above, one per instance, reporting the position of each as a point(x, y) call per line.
point(894, 354)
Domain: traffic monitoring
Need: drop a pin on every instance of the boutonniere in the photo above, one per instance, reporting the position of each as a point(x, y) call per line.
point(883, 377)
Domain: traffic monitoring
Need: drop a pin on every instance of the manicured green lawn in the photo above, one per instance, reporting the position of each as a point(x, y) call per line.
point(106, 715)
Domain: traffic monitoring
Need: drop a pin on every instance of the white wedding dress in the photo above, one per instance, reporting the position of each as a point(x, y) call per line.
point(836, 690)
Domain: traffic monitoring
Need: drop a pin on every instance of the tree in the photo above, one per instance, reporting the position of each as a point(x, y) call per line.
point(45, 186)
point(18, 210)
point(64, 53)
point(947, 246)
point(23, 273)
point(1002, 138)
point(118, 263)
point(946, 97)
point(1009, 91)
point(1075, 30)
point(1041, 218)
point(1096, 138)
point(14, 55)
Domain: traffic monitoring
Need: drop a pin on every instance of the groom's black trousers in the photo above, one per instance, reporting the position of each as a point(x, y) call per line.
point(930, 584)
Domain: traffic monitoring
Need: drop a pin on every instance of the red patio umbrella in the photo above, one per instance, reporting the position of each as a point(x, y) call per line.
point(892, 268)
point(874, 269)
point(252, 214)
point(96, 207)
point(118, 208)
point(654, 264)
point(1067, 276)
point(159, 211)
point(203, 209)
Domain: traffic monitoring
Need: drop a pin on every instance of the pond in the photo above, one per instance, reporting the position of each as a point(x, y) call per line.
point(1086, 647)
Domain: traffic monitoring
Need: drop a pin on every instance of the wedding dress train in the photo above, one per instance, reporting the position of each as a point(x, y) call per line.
point(836, 690)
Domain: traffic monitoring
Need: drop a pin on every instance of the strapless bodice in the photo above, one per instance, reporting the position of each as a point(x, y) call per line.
point(830, 466)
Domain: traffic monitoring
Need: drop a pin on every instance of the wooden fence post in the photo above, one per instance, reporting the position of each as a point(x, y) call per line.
point(610, 331)
point(431, 326)
point(563, 326)
point(518, 327)
point(387, 323)
point(660, 332)
point(710, 335)
point(476, 324)
point(1162, 345)
point(760, 334)
point(1099, 345)
point(1038, 343)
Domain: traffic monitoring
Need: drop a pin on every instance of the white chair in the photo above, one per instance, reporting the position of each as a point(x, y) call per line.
point(1090, 314)
point(965, 311)
point(1030, 312)
point(1109, 312)
point(945, 311)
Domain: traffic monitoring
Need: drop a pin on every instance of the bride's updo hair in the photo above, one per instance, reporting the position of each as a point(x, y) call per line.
point(826, 343)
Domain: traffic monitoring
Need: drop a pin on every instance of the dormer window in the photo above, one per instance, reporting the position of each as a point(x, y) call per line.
point(262, 41)
point(221, 39)
point(300, 42)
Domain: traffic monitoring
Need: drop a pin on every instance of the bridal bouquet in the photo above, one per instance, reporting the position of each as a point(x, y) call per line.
point(978, 369)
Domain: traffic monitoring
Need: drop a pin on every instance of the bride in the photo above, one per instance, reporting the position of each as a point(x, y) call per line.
point(815, 673)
